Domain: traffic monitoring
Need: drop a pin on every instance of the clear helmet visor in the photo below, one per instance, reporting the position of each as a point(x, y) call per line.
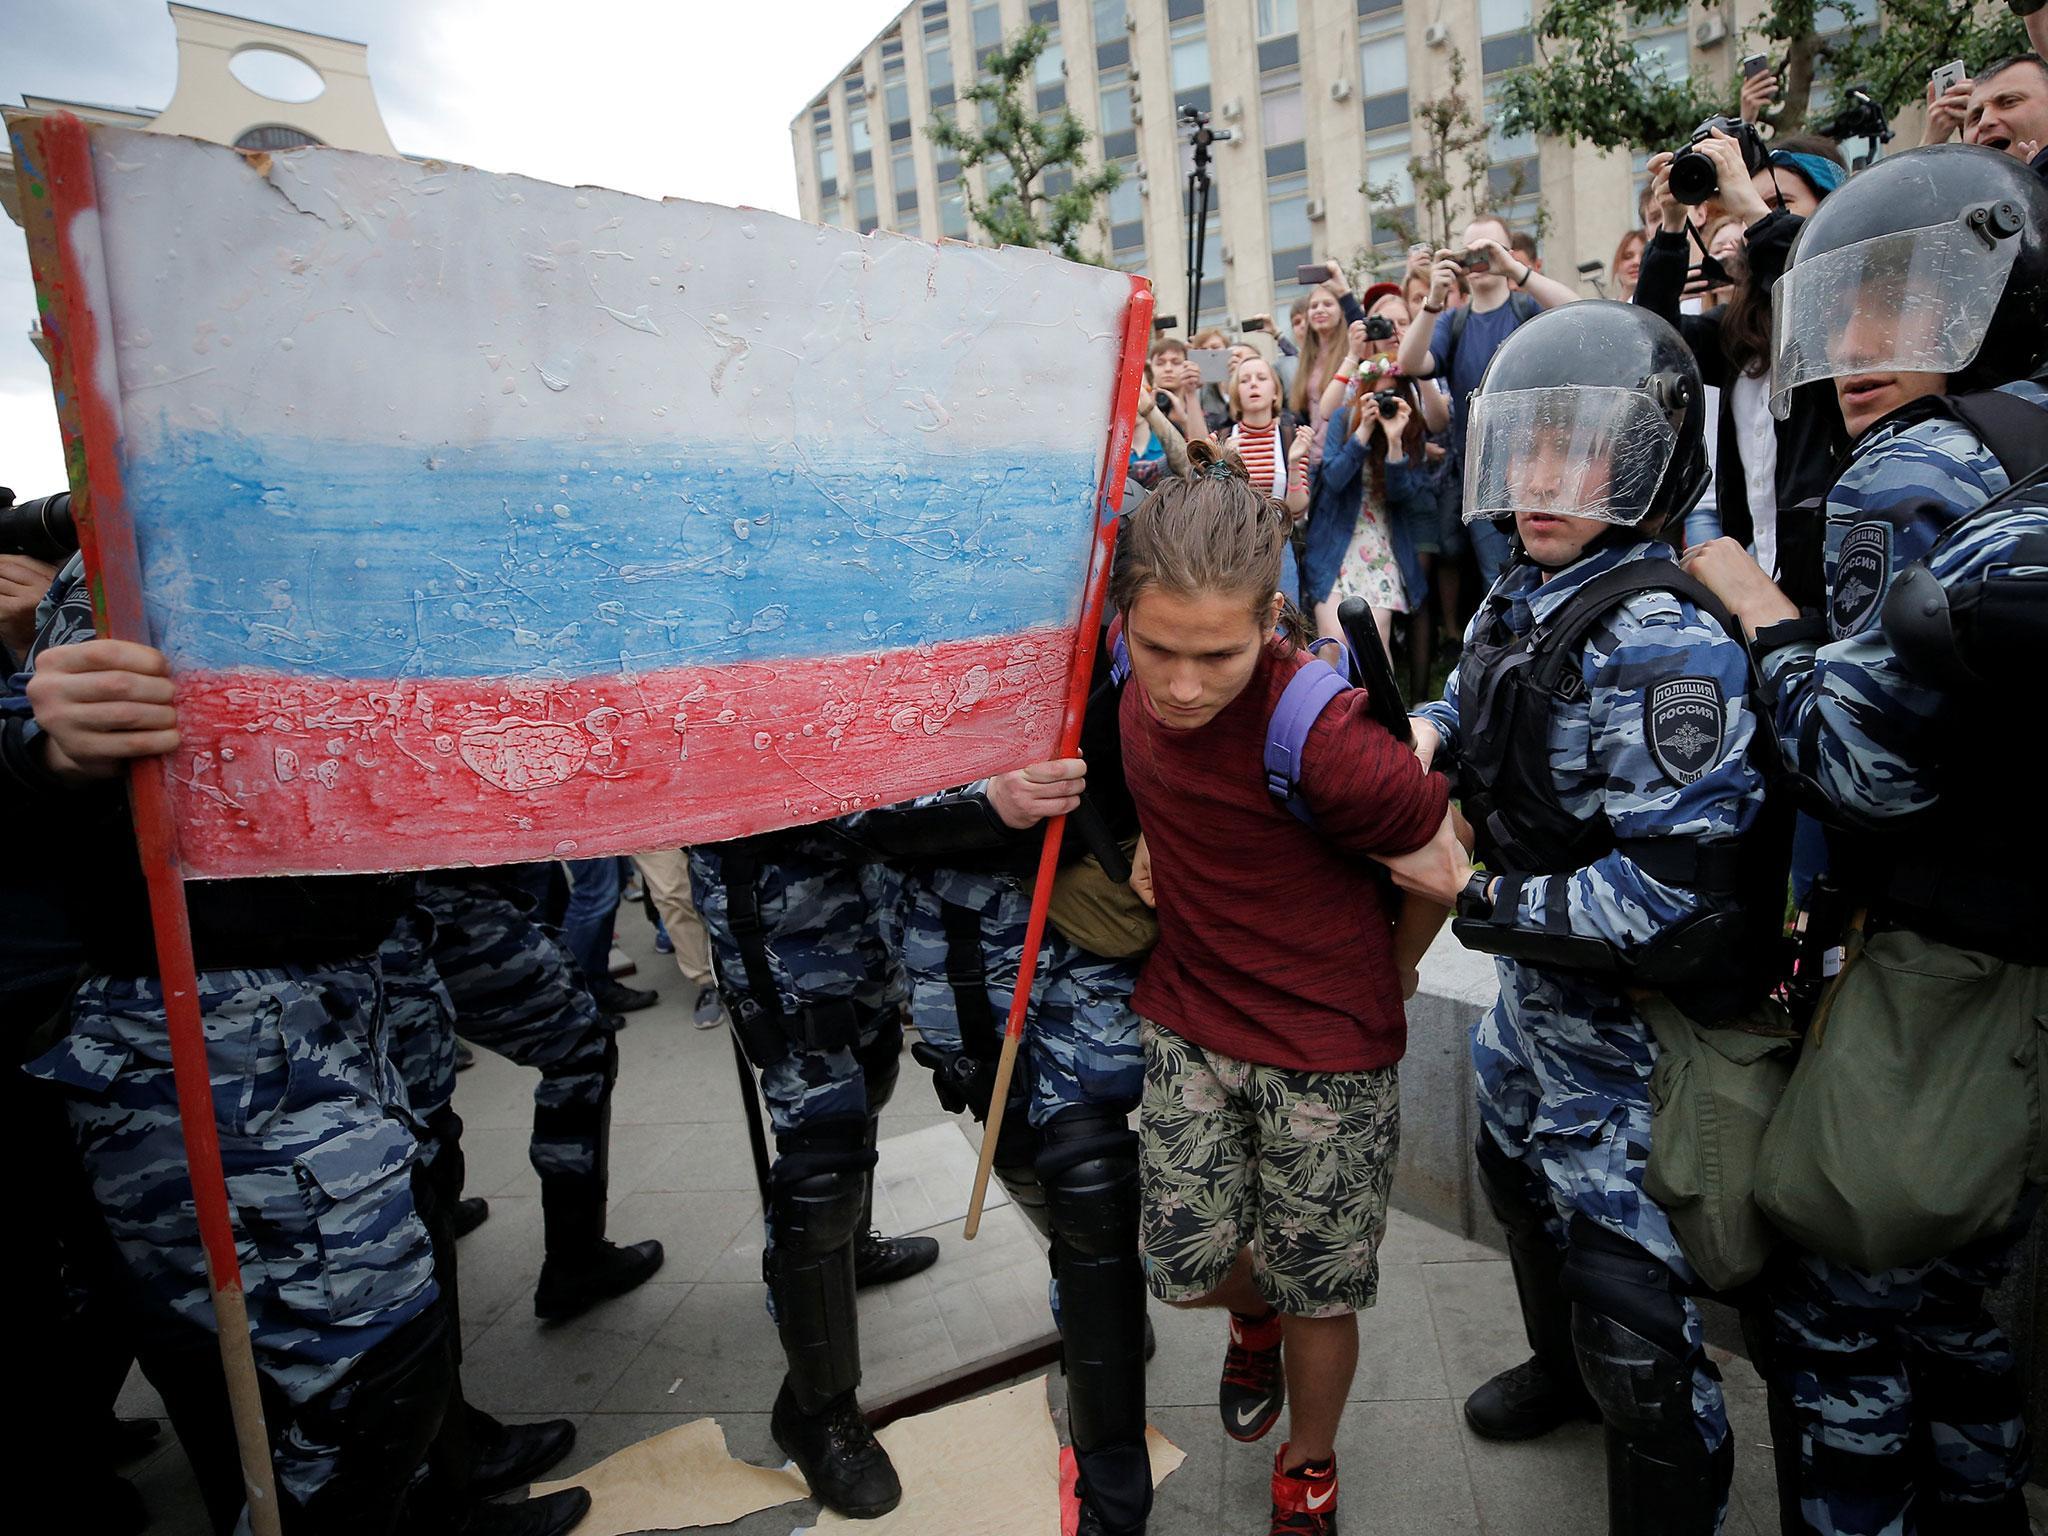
point(1572, 451)
point(1917, 301)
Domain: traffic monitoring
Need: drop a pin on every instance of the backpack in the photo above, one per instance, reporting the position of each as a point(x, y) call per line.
point(1308, 693)
point(1521, 305)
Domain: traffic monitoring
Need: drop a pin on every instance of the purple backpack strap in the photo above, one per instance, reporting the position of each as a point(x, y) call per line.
point(1302, 702)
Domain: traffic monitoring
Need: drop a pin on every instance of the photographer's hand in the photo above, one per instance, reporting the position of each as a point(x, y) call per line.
point(1669, 208)
point(1443, 278)
point(1738, 194)
point(1945, 113)
point(1758, 92)
point(1338, 280)
point(23, 584)
point(1361, 349)
point(1396, 429)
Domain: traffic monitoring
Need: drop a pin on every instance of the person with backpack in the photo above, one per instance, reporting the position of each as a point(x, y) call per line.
point(1906, 1156)
point(1271, 1106)
point(1599, 731)
point(1458, 350)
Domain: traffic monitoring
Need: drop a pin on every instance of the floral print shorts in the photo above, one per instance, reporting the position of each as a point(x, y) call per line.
point(1297, 1165)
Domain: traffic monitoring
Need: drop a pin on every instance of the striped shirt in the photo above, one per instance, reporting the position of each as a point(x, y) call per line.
point(1264, 459)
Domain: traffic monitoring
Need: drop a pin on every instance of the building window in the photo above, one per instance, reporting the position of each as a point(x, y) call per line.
point(1212, 272)
point(828, 169)
point(1387, 154)
point(953, 213)
point(988, 29)
point(1515, 178)
point(857, 126)
point(1116, 101)
point(1110, 18)
point(903, 181)
point(1282, 116)
point(1276, 18)
point(1287, 224)
point(1504, 39)
point(896, 94)
point(275, 136)
point(828, 211)
point(1664, 47)
point(1383, 69)
point(864, 202)
point(1188, 52)
point(1049, 74)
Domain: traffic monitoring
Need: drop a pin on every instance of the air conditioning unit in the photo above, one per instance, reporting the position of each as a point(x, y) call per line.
point(1233, 109)
point(1229, 253)
point(1315, 207)
point(873, 90)
point(1436, 34)
point(1138, 169)
point(1340, 89)
point(1137, 110)
point(1710, 31)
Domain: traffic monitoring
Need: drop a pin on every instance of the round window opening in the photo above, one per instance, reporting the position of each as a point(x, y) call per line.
point(277, 75)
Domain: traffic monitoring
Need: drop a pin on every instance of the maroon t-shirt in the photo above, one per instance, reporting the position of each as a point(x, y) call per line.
point(1275, 942)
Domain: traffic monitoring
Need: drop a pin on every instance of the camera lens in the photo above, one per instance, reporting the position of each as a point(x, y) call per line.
point(1693, 177)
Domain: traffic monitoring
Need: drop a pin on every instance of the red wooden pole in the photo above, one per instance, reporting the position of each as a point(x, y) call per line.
point(1130, 374)
point(83, 367)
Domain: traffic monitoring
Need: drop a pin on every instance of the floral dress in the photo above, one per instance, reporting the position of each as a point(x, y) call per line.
point(1369, 570)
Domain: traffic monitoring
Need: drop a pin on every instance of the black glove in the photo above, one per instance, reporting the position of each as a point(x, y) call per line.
point(961, 1081)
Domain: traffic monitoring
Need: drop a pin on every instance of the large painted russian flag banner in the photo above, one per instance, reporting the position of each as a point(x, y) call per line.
point(483, 519)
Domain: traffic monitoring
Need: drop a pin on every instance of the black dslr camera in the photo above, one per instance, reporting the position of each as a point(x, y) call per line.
point(1378, 328)
point(1388, 402)
point(1695, 178)
point(41, 529)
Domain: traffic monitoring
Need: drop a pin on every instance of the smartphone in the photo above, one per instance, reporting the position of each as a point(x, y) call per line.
point(1213, 362)
point(1755, 65)
point(1948, 77)
point(1309, 276)
point(1256, 323)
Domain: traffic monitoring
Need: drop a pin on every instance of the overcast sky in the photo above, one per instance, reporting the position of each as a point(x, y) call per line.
point(675, 98)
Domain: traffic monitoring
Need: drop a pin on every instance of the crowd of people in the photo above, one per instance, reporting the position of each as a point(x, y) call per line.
point(1755, 545)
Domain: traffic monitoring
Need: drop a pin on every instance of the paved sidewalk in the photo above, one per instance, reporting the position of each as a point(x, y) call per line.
point(697, 1341)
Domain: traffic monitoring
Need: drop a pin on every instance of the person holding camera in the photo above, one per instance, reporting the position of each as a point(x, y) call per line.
point(1372, 470)
point(1459, 350)
point(1764, 465)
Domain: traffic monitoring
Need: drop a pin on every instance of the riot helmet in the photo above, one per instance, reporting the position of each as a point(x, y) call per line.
point(1591, 410)
point(1931, 261)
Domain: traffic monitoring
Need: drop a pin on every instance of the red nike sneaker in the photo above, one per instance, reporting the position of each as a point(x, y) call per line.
point(1254, 1388)
point(1304, 1500)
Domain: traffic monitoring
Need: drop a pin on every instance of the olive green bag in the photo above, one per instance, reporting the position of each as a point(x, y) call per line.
point(1913, 1123)
point(1103, 916)
point(1712, 1095)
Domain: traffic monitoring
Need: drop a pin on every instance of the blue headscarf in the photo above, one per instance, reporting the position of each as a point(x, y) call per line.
point(1817, 171)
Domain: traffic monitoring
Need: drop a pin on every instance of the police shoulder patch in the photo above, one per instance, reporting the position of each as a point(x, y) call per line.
point(1683, 721)
point(1862, 566)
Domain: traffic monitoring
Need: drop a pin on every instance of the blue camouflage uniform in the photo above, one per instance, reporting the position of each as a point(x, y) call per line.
point(515, 992)
point(317, 1145)
point(1082, 1044)
point(1901, 1377)
point(826, 921)
point(1563, 1061)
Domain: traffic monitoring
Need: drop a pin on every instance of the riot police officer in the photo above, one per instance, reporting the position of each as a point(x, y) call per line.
point(1920, 289)
point(1599, 729)
point(799, 945)
point(1065, 1153)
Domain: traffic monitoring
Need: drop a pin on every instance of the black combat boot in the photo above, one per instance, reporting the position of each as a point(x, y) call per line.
point(877, 1260)
point(552, 1514)
point(838, 1455)
point(581, 1268)
point(508, 1456)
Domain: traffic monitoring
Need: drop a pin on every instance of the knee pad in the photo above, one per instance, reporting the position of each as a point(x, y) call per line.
point(881, 1063)
point(1089, 1167)
point(1016, 1164)
point(1628, 1331)
point(1516, 1196)
point(818, 1185)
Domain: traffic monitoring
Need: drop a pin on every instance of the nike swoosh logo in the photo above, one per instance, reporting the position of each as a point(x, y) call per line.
point(1316, 1505)
point(1248, 1416)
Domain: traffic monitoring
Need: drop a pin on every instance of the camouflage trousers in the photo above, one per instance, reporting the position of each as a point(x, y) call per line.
point(316, 1143)
point(1566, 1091)
point(1907, 1395)
point(824, 954)
point(515, 992)
point(419, 1020)
point(1081, 1046)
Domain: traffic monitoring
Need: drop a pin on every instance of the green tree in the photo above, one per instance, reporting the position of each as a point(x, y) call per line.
point(1022, 153)
point(1590, 83)
point(1452, 177)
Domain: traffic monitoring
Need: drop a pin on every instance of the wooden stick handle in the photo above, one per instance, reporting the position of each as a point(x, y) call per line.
point(1006, 1068)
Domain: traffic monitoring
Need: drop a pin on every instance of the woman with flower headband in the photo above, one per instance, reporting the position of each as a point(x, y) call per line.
point(1371, 478)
